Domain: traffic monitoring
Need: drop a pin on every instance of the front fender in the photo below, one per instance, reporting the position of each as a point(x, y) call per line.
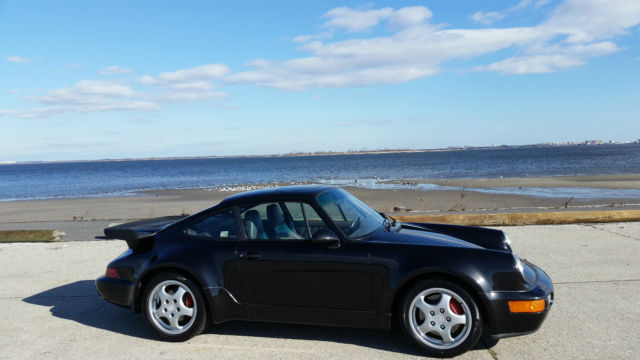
point(396, 266)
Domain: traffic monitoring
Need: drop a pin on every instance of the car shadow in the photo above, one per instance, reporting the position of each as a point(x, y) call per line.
point(390, 341)
point(79, 302)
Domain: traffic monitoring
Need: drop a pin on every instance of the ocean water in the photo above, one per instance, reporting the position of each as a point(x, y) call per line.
point(118, 178)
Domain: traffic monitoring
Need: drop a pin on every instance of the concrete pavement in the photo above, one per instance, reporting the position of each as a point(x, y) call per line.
point(50, 309)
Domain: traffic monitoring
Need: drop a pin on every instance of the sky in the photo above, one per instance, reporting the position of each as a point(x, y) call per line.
point(83, 80)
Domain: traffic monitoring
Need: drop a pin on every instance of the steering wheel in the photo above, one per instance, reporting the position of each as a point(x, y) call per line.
point(355, 224)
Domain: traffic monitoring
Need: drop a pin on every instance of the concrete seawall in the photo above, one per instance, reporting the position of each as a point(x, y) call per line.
point(7, 236)
point(528, 218)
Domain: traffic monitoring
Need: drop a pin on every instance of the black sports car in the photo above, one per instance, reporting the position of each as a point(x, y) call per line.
point(317, 255)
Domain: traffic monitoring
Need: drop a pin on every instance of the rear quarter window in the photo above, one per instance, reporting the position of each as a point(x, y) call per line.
point(221, 225)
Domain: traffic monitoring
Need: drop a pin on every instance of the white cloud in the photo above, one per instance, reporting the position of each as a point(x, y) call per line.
point(409, 54)
point(589, 20)
point(85, 96)
point(541, 3)
point(574, 32)
point(306, 38)
point(181, 77)
point(183, 96)
point(17, 59)
point(579, 24)
point(358, 20)
point(114, 70)
point(7, 112)
point(551, 59)
point(520, 6)
point(193, 84)
point(534, 64)
point(355, 20)
point(86, 91)
point(488, 18)
point(409, 16)
point(409, 48)
point(73, 66)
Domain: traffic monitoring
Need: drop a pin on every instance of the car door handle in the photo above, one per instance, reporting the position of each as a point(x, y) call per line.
point(249, 255)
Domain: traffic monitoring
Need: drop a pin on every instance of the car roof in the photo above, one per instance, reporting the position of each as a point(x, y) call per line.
point(301, 192)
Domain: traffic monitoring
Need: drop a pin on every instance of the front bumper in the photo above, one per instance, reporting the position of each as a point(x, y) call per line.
point(119, 292)
point(504, 323)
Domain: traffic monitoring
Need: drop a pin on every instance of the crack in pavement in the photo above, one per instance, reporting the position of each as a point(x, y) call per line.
point(611, 232)
point(493, 354)
point(46, 297)
point(594, 281)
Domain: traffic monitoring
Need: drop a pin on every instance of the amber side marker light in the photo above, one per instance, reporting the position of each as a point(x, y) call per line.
point(528, 306)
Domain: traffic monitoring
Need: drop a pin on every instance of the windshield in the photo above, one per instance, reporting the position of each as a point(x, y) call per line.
point(351, 215)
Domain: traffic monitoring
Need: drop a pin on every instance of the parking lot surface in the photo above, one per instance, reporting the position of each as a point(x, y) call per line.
point(50, 308)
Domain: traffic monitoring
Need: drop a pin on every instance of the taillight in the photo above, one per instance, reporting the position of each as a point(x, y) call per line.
point(112, 273)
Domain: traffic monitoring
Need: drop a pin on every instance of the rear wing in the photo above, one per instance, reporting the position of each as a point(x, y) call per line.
point(138, 233)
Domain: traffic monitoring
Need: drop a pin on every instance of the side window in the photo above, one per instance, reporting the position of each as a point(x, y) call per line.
point(221, 225)
point(278, 221)
point(254, 218)
point(295, 210)
point(332, 209)
point(314, 220)
point(306, 220)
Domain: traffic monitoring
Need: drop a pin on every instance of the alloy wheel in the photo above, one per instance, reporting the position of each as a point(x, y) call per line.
point(440, 318)
point(172, 307)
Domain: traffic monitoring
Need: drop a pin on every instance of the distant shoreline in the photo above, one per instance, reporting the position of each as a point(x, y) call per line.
point(460, 196)
point(340, 153)
point(600, 186)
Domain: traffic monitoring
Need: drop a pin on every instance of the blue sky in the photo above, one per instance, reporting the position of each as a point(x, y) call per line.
point(120, 79)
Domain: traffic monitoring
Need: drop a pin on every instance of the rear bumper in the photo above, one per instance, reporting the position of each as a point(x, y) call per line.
point(116, 291)
point(504, 323)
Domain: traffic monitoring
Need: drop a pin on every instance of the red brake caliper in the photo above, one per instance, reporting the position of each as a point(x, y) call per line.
point(455, 307)
point(188, 300)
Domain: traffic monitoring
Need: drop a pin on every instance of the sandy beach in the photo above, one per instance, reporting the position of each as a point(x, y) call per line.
point(157, 203)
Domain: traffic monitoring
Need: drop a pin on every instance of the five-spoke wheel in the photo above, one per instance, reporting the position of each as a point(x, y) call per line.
point(441, 318)
point(174, 307)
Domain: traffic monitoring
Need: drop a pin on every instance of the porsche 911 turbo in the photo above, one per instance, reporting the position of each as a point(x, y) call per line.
point(315, 254)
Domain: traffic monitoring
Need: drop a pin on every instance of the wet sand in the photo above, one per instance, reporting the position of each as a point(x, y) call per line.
point(592, 181)
point(175, 202)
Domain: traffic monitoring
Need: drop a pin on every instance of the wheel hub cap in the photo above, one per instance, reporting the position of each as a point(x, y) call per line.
point(172, 307)
point(440, 318)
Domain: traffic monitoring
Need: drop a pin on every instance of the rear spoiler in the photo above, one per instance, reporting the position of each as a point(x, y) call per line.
point(139, 234)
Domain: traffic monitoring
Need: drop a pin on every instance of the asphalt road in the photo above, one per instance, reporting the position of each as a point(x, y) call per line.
point(49, 308)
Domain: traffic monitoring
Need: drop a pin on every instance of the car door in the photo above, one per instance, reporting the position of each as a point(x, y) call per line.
point(284, 269)
point(214, 236)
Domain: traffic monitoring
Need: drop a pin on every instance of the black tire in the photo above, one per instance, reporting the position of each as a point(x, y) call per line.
point(430, 324)
point(167, 311)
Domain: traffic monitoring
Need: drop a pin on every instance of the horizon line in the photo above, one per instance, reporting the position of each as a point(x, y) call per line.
point(334, 153)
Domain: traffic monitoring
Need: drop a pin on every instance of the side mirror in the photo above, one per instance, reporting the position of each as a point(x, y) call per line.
point(327, 237)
